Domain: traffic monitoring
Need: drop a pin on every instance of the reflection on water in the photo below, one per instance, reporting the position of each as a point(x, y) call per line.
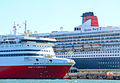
point(56, 81)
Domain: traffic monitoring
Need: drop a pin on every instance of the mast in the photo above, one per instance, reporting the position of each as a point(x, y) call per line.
point(15, 29)
point(26, 34)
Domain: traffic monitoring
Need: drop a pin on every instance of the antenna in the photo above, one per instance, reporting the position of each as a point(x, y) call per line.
point(25, 26)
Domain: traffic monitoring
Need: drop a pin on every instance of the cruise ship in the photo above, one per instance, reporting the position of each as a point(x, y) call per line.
point(91, 46)
point(28, 57)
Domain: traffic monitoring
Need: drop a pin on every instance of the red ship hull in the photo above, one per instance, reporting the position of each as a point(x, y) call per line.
point(38, 71)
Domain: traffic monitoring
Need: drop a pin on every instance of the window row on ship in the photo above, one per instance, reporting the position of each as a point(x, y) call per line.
point(108, 62)
point(23, 46)
point(88, 38)
point(91, 52)
point(85, 43)
point(70, 46)
point(24, 50)
point(82, 40)
point(88, 56)
point(25, 55)
point(99, 41)
point(81, 48)
point(85, 35)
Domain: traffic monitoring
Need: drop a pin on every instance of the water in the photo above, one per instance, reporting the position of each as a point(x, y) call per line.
point(56, 81)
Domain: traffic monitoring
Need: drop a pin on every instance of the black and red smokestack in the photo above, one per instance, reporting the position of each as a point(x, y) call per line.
point(90, 15)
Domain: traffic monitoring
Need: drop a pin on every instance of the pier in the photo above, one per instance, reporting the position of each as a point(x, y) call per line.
point(94, 74)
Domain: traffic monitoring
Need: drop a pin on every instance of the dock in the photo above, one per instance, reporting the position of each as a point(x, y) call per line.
point(94, 74)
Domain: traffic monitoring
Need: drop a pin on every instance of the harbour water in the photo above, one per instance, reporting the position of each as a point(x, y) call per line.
point(57, 81)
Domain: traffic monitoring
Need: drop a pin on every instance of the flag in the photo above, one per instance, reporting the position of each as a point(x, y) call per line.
point(17, 24)
point(13, 26)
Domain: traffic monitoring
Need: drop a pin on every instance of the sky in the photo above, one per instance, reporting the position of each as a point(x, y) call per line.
point(45, 16)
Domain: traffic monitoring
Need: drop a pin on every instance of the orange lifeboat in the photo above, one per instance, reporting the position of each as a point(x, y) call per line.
point(95, 45)
point(86, 46)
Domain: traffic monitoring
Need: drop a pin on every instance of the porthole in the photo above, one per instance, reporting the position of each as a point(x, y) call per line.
point(50, 60)
point(37, 59)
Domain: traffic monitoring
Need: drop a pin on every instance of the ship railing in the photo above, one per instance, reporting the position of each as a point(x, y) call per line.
point(58, 48)
point(98, 40)
point(77, 47)
point(40, 44)
point(67, 48)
